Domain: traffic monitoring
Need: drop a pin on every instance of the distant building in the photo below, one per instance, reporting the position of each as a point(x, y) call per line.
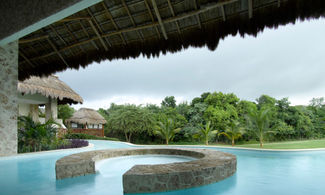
point(47, 91)
point(87, 121)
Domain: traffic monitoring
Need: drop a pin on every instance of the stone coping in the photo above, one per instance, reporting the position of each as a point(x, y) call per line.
point(210, 166)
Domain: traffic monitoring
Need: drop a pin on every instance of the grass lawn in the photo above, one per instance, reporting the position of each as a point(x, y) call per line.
point(305, 144)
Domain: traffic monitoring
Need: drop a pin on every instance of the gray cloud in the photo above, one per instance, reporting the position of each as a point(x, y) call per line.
point(287, 62)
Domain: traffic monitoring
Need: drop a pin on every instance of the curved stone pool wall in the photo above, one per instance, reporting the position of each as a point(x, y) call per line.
point(210, 166)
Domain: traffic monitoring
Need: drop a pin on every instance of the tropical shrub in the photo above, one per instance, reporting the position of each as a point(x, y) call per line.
point(206, 132)
point(233, 132)
point(34, 136)
point(166, 129)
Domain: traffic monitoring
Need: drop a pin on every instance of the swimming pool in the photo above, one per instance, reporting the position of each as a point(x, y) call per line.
point(266, 173)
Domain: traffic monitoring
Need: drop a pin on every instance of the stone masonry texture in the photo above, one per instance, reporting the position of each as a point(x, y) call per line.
point(8, 99)
point(210, 166)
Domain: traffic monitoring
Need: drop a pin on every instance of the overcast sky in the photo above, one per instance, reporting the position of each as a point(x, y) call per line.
point(286, 62)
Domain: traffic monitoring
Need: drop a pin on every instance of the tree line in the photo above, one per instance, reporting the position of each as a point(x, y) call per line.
point(216, 117)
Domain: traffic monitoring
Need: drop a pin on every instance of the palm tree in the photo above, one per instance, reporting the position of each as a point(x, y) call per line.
point(206, 132)
point(166, 129)
point(233, 132)
point(259, 120)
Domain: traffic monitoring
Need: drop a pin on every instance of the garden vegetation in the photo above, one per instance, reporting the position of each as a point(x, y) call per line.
point(216, 118)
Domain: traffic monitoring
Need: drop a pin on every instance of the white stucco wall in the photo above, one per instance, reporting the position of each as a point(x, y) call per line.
point(8, 98)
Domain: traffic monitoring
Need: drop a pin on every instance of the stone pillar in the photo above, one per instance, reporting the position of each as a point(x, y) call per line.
point(8, 98)
point(51, 109)
point(34, 113)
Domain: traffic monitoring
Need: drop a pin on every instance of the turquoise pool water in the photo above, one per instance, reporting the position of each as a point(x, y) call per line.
point(267, 173)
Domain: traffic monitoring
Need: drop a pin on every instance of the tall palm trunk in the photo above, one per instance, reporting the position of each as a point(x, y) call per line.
point(233, 141)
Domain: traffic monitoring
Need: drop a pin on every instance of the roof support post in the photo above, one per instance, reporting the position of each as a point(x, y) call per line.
point(33, 112)
point(159, 18)
point(51, 109)
point(8, 98)
point(250, 9)
point(279, 3)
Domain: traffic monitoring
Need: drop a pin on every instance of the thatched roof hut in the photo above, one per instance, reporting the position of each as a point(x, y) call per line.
point(51, 87)
point(86, 116)
point(122, 29)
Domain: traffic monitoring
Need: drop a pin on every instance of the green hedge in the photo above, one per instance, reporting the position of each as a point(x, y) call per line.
point(86, 136)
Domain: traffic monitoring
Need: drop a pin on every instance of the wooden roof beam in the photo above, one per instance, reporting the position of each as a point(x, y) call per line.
point(179, 17)
point(72, 35)
point(159, 19)
point(57, 34)
point(74, 19)
point(173, 13)
point(113, 22)
point(21, 41)
point(57, 52)
point(222, 8)
point(98, 35)
point(85, 31)
point(250, 9)
point(26, 59)
point(93, 18)
point(132, 19)
point(151, 16)
point(197, 15)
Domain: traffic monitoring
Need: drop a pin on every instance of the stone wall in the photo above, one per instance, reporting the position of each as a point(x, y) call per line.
point(8, 99)
point(210, 166)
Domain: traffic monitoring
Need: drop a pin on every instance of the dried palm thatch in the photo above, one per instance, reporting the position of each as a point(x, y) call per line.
point(122, 29)
point(86, 116)
point(50, 87)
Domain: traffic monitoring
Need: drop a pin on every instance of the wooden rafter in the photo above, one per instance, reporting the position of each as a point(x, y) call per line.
point(250, 9)
point(93, 18)
point(73, 35)
point(113, 22)
point(98, 35)
point(197, 15)
point(57, 52)
point(159, 19)
point(21, 41)
point(132, 19)
point(26, 59)
point(74, 19)
point(173, 13)
point(172, 19)
point(222, 8)
point(151, 16)
point(85, 31)
point(57, 34)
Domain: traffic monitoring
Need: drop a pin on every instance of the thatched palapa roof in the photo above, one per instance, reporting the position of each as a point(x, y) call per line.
point(87, 116)
point(122, 29)
point(51, 87)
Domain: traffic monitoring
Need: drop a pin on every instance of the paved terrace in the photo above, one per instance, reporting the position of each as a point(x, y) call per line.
point(211, 166)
